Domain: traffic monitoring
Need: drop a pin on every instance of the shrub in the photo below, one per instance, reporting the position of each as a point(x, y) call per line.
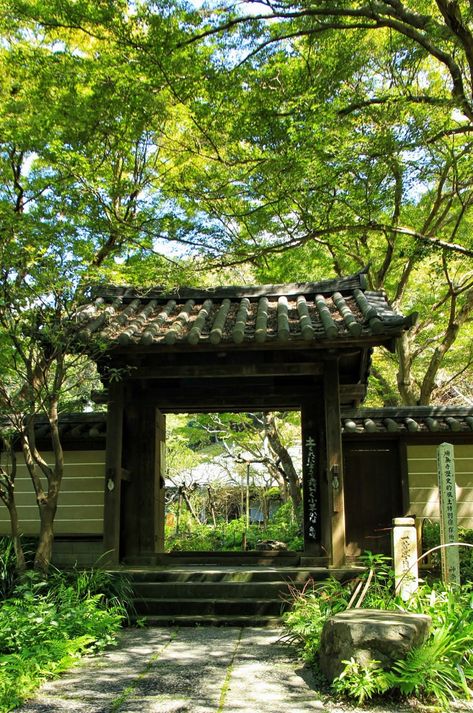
point(439, 670)
point(46, 624)
point(229, 536)
point(431, 538)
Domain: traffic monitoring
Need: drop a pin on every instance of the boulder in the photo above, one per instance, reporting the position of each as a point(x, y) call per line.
point(369, 635)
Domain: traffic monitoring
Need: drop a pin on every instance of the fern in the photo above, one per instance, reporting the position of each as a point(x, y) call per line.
point(440, 668)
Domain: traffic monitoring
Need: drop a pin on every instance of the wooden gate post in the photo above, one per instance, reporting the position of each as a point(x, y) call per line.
point(113, 476)
point(334, 472)
point(160, 476)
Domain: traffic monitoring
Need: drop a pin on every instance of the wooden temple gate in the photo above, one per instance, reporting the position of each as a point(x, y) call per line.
point(275, 347)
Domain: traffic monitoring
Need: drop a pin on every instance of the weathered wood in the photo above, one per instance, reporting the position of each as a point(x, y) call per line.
point(125, 474)
point(141, 496)
point(372, 493)
point(159, 481)
point(226, 371)
point(113, 468)
point(335, 491)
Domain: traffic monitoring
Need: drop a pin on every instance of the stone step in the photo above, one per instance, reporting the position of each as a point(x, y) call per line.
point(217, 590)
point(204, 606)
point(237, 558)
point(220, 594)
point(209, 620)
point(234, 574)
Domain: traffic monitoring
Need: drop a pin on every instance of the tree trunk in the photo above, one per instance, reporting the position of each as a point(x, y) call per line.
point(44, 551)
point(16, 538)
point(285, 459)
point(405, 379)
point(7, 495)
point(189, 505)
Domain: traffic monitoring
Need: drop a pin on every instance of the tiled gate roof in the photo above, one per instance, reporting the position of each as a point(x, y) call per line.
point(409, 419)
point(302, 313)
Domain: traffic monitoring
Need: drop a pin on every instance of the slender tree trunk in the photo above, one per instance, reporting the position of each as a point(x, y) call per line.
point(286, 461)
point(405, 379)
point(189, 505)
point(44, 550)
point(7, 494)
point(212, 506)
point(16, 538)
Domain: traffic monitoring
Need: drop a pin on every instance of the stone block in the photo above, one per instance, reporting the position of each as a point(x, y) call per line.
point(369, 635)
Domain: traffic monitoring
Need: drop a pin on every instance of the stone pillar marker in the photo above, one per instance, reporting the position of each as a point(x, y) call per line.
point(448, 513)
point(404, 541)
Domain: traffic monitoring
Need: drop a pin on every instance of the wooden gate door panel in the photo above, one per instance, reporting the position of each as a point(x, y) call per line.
point(373, 496)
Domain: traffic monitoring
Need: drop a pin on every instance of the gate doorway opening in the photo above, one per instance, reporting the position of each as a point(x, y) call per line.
point(233, 482)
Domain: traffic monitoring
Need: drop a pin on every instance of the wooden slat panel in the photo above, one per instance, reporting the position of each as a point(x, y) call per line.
point(76, 512)
point(430, 451)
point(73, 472)
point(423, 489)
point(426, 494)
point(80, 509)
point(82, 498)
point(426, 480)
point(71, 527)
point(429, 465)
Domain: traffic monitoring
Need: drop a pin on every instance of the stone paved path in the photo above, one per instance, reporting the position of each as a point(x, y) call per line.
point(201, 670)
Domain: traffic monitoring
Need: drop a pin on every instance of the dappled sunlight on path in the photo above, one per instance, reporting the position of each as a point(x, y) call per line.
point(190, 670)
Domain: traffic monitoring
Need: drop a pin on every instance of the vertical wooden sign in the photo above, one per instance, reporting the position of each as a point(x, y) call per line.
point(448, 513)
point(312, 525)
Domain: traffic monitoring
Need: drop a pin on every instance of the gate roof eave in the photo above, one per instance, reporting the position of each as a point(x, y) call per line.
point(333, 315)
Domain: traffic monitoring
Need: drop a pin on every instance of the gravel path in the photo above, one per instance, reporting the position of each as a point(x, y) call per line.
point(197, 670)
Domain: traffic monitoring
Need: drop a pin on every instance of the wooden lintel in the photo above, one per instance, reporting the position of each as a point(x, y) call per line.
point(223, 371)
point(352, 392)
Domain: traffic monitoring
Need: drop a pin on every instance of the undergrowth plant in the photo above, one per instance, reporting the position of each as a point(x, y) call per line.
point(228, 536)
point(46, 624)
point(440, 670)
point(431, 539)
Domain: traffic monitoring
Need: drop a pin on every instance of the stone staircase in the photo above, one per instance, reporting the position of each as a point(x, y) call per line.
point(238, 589)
